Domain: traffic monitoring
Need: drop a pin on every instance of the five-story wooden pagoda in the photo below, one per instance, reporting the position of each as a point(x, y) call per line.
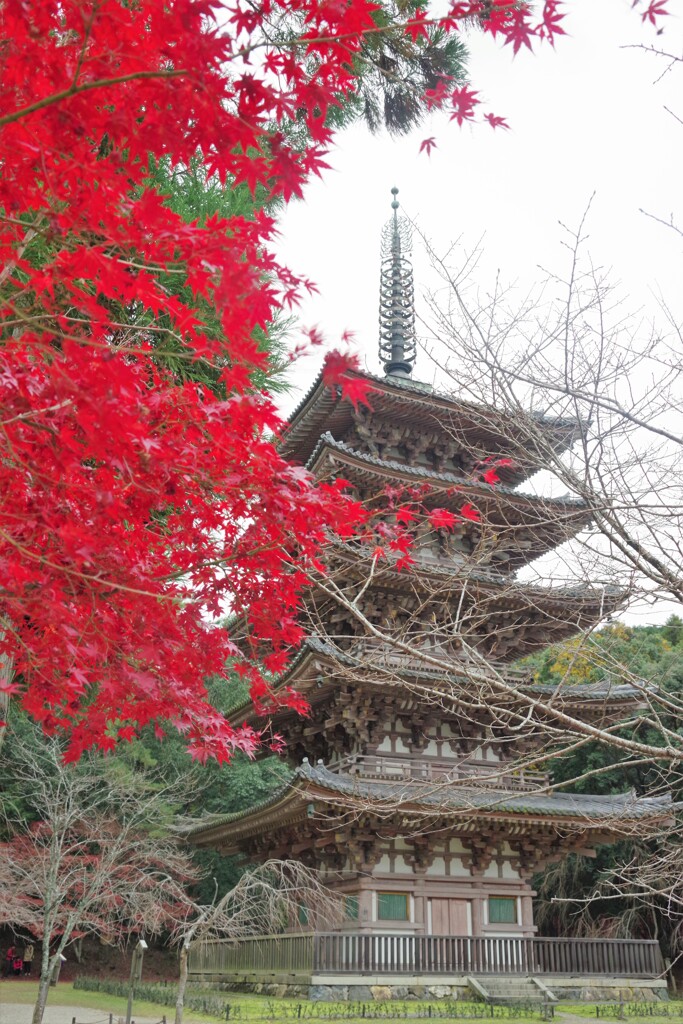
point(413, 786)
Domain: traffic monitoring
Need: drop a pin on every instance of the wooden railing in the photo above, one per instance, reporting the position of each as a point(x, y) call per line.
point(415, 769)
point(436, 954)
point(268, 954)
point(376, 953)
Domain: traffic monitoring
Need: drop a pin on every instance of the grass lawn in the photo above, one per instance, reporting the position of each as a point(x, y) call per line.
point(671, 1011)
point(64, 994)
point(247, 1008)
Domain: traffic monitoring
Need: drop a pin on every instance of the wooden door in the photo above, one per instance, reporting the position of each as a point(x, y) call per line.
point(449, 917)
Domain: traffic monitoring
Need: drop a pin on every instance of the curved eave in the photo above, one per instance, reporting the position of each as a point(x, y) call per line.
point(323, 408)
point(583, 809)
point(327, 448)
point(288, 805)
point(489, 587)
point(526, 525)
point(315, 671)
point(317, 791)
point(303, 671)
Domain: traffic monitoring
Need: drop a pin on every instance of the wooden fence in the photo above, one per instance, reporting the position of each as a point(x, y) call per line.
point(268, 954)
point(376, 953)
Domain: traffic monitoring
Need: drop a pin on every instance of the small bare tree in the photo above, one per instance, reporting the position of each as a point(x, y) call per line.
point(96, 860)
point(265, 899)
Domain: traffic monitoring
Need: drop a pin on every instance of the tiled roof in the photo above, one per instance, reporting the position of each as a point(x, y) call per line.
point(574, 805)
point(594, 691)
point(606, 594)
point(605, 690)
point(437, 797)
point(217, 820)
point(322, 408)
point(451, 479)
point(419, 390)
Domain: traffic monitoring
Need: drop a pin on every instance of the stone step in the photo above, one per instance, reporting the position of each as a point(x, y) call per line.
point(512, 988)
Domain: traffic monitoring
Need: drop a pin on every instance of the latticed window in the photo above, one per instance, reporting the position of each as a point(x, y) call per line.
point(392, 906)
point(351, 908)
point(502, 910)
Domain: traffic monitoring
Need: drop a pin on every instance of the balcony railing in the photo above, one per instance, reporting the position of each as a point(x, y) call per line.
point(304, 955)
point(414, 769)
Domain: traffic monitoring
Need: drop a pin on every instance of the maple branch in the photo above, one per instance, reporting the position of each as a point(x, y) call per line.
point(37, 412)
point(74, 90)
point(11, 265)
point(87, 32)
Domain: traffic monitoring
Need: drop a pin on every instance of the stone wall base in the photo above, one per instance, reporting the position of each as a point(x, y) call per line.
point(368, 988)
point(605, 988)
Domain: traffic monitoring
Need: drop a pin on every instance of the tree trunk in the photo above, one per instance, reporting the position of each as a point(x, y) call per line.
point(6, 666)
point(182, 982)
point(43, 989)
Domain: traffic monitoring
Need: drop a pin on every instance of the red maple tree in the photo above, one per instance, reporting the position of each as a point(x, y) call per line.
point(139, 505)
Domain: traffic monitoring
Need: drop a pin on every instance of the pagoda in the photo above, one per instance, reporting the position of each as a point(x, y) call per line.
point(414, 788)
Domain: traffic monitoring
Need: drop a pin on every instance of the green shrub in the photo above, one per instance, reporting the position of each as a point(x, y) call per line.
point(164, 995)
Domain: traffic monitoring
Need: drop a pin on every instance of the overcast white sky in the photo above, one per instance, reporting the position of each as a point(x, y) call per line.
point(587, 117)
point(584, 118)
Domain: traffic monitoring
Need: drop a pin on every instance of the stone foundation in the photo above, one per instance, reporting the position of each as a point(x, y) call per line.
point(365, 989)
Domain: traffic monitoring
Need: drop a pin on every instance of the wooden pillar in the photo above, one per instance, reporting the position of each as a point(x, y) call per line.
point(528, 915)
point(478, 898)
point(365, 907)
point(420, 900)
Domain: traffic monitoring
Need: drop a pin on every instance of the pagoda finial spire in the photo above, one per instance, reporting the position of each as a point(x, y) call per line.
point(396, 297)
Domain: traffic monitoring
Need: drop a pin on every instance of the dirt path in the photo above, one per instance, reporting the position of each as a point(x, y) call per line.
point(21, 1013)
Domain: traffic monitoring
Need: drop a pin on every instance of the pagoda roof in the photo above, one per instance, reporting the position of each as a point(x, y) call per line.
point(485, 428)
point(303, 674)
point(439, 479)
point(315, 788)
point(490, 586)
point(624, 806)
point(529, 524)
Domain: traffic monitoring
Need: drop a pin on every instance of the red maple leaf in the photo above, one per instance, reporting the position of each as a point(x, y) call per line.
point(517, 29)
point(551, 21)
point(405, 515)
point(656, 9)
point(441, 518)
point(495, 121)
point(337, 365)
point(468, 511)
point(463, 101)
point(339, 370)
point(427, 145)
point(404, 562)
point(417, 26)
point(356, 391)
